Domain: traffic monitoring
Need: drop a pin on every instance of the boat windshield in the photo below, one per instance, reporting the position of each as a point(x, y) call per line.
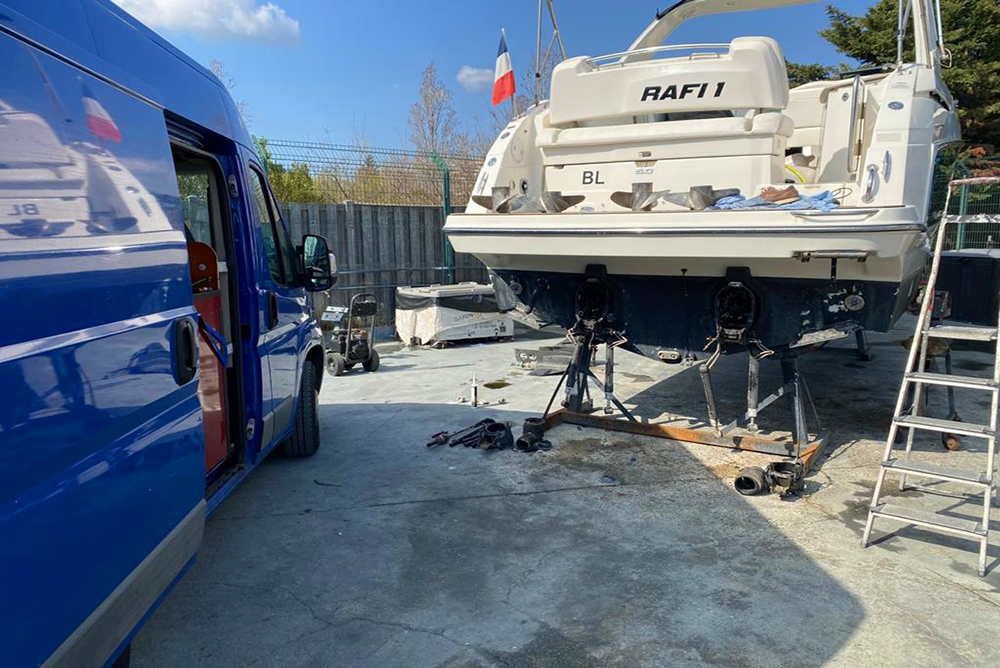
point(668, 20)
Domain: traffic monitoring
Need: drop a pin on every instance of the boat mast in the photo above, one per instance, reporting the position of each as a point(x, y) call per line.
point(542, 62)
point(538, 53)
point(928, 35)
point(555, 26)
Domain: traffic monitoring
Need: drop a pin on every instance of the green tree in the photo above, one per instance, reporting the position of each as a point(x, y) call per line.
point(971, 33)
point(802, 73)
point(290, 184)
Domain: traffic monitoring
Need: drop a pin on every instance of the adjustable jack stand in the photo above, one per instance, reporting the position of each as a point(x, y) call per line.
point(794, 390)
point(578, 374)
point(577, 407)
point(861, 338)
point(577, 390)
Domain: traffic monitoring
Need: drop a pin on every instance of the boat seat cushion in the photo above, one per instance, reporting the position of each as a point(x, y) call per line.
point(753, 134)
point(750, 74)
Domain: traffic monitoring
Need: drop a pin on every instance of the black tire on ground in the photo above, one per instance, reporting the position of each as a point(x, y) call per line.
point(304, 441)
point(371, 364)
point(335, 364)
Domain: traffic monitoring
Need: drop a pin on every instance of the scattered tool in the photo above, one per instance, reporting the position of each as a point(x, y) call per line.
point(439, 438)
point(487, 434)
point(784, 477)
point(532, 432)
point(496, 436)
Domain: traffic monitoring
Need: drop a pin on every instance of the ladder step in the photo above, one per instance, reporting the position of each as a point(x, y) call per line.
point(962, 527)
point(951, 380)
point(950, 474)
point(944, 426)
point(966, 333)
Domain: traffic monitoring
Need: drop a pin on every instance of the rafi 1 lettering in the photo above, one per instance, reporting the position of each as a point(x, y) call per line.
point(681, 91)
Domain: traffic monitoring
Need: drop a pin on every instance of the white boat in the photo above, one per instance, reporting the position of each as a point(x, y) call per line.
point(570, 215)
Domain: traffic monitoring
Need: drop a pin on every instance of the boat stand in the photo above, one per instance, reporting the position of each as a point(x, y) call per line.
point(577, 407)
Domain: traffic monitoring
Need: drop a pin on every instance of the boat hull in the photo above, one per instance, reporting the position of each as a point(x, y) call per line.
point(664, 274)
point(663, 314)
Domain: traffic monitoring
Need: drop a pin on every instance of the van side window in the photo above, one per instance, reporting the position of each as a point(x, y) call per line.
point(268, 225)
point(287, 247)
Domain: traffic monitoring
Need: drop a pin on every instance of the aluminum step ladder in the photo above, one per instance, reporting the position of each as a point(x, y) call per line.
point(915, 377)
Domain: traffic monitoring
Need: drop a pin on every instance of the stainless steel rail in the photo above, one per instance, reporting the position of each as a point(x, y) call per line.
point(654, 49)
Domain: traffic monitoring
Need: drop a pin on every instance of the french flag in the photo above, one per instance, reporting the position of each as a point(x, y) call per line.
point(99, 121)
point(503, 80)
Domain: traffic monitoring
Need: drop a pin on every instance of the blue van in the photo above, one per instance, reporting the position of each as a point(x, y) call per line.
point(157, 335)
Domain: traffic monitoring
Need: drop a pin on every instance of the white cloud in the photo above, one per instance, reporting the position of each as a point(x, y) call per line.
point(217, 19)
point(474, 78)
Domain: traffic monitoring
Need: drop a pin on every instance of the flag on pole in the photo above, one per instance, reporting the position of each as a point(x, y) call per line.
point(503, 80)
point(99, 121)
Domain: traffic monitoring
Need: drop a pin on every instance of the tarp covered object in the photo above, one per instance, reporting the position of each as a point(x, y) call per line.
point(450, 313)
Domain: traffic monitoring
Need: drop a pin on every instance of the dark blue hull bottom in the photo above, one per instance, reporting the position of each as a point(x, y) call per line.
point(679, 313)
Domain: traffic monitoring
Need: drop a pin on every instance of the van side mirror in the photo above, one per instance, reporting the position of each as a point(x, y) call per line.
point(318, 264)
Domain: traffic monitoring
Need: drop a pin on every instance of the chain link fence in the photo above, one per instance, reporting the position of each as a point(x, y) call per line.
point(976, 203)
point(382, 210)
point(337, 173)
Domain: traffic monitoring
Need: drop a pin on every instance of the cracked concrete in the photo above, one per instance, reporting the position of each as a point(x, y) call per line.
point(381, 552)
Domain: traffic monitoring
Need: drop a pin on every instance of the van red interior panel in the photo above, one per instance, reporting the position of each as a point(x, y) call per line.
point(211, 390)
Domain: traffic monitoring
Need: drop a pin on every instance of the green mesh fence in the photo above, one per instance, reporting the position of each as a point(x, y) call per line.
point(336, 173)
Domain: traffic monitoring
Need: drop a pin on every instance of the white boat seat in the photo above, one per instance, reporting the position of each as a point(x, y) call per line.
point(752, 134)
point(706, 118)
point(748, 74)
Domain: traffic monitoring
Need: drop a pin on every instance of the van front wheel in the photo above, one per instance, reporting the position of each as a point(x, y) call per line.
point(304, 441)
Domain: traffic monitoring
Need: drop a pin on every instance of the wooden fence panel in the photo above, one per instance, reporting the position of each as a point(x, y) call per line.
point(379, 248)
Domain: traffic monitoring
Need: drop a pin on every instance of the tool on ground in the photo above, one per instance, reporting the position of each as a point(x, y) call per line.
point(440, 438)
point(545, 360)
point(915, 377)
point(532, 433)
point(487, 434)
point(496, 436)
point(784, 477)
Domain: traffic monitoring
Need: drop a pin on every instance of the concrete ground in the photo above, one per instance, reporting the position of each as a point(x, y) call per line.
point(609, 550)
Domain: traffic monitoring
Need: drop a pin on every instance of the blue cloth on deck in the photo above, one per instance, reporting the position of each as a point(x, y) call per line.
point(824, 201)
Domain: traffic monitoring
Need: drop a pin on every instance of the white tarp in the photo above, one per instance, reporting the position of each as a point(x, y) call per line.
point(449, 313)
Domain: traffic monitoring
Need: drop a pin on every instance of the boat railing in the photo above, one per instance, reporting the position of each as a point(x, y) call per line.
point(853, 137)
point(622, 58)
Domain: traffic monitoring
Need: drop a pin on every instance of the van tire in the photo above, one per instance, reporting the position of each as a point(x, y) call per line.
point(371, 364)
point(304, 441)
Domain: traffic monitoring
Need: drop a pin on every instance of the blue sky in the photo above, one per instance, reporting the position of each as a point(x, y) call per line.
point(354, 67)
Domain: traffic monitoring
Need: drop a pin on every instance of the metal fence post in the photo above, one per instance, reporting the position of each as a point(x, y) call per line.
point(449, 252)
point(963, 206)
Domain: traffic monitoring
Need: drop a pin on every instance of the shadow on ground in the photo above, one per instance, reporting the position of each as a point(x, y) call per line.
point(603, 552)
